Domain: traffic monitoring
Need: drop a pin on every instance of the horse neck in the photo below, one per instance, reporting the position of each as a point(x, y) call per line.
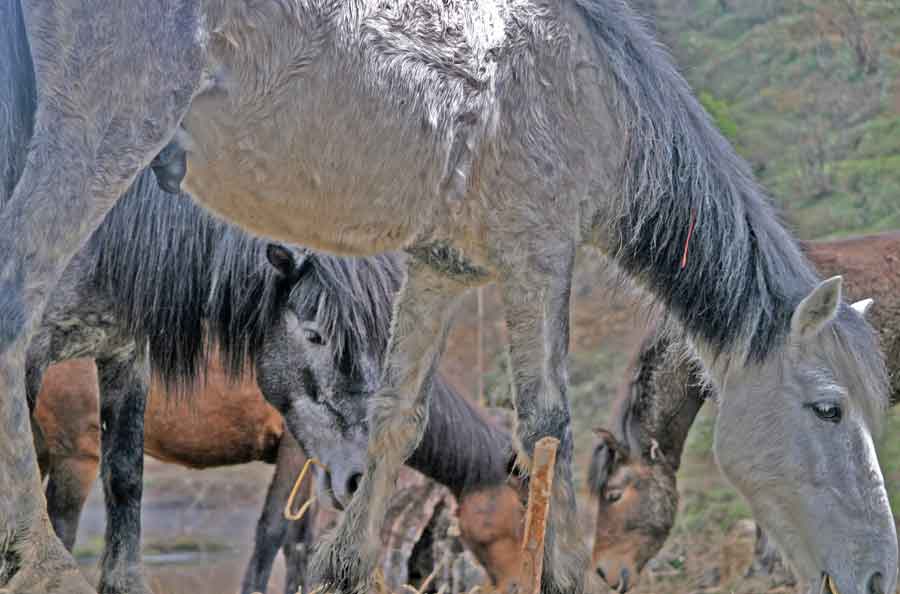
point(689, 223)
point(460, 449)
point(686, 396)
point(661, 400)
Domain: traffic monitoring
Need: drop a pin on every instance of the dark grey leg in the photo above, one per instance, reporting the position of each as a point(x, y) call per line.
point(68, 487)
point(273, 531)
point(124, 383)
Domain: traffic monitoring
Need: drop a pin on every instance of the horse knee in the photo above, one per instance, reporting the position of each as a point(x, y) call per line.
point(555, 422)
point(397, 427)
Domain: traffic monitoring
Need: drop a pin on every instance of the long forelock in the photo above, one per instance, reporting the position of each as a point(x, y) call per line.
point(352, 300)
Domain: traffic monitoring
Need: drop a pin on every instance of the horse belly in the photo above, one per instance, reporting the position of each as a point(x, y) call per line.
point(296, 179)
point(219, 425)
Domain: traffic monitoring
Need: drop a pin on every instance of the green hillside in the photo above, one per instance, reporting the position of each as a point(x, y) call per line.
point(809, 92)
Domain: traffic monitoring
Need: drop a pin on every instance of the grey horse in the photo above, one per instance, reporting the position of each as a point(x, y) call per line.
point(489, 139)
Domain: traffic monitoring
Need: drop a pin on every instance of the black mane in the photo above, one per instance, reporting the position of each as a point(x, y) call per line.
point(744, 273)
point(185, 280)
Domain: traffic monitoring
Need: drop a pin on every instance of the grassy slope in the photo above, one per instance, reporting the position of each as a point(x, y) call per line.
point(781, 87)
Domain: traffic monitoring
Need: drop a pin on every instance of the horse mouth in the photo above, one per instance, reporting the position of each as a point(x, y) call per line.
point(328, 491)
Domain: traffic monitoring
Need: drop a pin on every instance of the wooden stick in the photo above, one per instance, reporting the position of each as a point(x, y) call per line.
point(539, 493)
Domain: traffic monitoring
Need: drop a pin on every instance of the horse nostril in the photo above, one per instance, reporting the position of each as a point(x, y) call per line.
point(353, 482)
point(876, 584)
point(623, 580)
point(601, 574)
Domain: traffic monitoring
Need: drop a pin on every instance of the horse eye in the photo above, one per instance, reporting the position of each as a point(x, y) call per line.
point(613, 495)
point(313, 337)
point(828, 411)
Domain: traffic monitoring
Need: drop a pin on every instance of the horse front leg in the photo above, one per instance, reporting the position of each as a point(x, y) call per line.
point(273, 531)
point(124, 384)
point(536, 302)
point(347, 557)
point(113, 81)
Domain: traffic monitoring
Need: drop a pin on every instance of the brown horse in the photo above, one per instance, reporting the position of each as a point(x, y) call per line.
point(225, 423)
point(633, 468)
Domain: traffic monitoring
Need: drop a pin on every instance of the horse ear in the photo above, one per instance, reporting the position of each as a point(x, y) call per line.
point(291, 264)
point(862, 307)
point(817, 309)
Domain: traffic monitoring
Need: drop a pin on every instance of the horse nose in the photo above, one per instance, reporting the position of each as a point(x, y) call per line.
point(353, 482)
point(601, 574)
point(875, 584)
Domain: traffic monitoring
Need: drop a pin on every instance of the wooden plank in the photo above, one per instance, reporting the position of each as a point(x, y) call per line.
point(539, 493)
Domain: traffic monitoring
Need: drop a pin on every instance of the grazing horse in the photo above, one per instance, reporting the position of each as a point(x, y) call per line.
point(489, 139)
point(226, 423)
point(314, 329)
point(634, 466)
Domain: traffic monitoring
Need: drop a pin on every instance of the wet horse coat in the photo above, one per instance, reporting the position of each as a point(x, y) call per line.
point(489, 139)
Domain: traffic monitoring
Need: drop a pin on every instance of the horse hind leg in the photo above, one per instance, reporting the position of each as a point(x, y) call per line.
point(346, 558)
point(536, 302)
point(106, 104)
point(124, 383)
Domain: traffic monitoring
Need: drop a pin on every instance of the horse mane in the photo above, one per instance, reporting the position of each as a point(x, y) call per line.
point(461, 448)
point(152, 254)
point(685, 194)
point(185, 280)
point(678, 172)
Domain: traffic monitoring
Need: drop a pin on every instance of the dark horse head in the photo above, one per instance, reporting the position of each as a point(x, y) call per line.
point(313, 327)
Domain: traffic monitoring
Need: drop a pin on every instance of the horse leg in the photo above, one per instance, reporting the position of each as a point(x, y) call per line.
point(124, 383)
point(346, 558)
point(296, 549)
point(273, 531)
point(536, 302)
point(113, 82)
point(68, 487)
